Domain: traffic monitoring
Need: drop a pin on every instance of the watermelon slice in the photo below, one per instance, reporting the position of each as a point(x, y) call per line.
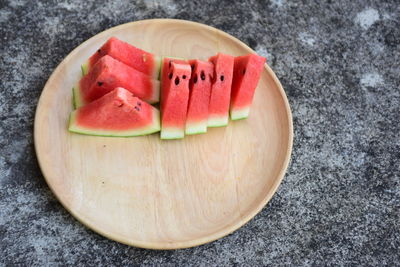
point(200, 89)
point(132, 56)
point(175, 75)
point(246, 73)
point(218, 110)
point(117, 113)
point(107, 74)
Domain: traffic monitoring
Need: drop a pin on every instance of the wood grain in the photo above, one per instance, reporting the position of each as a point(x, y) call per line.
point(150, 193)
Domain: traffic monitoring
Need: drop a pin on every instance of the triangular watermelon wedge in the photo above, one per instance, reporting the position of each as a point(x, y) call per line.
point(128, 54)
point(117, 113)
point(109, 73)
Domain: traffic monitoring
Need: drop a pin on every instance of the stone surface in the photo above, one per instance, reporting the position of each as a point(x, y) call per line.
point(339, 62)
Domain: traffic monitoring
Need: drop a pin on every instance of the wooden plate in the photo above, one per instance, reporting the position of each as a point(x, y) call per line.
point(158, 194)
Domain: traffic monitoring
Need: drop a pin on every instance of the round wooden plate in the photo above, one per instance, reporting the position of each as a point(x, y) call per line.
point(150, 193)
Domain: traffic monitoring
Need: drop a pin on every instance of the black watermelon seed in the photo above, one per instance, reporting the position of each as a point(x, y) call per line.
point(139, 104)
point(176, 80)
point(192, 67)
point(195, 79)
point(202, 76)
point(244, 71)
point(170, 76)
point(99, 51)
point(184, 77)
point(222, 78)
point(100, 83)
point(137, 108)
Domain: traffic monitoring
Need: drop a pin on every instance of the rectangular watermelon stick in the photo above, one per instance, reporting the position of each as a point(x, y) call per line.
point(109, 73)
point(199, 99)
point(218, 110)
point(246, 74)
point(175, 75)
point(128, 54)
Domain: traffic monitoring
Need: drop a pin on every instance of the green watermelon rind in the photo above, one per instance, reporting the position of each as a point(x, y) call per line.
point(196, 127)
point(77, 97)
point(85, 68)
point(73, 98)
point(217, 121)
point(239, 114)
point(157, 70)
point(154, 127)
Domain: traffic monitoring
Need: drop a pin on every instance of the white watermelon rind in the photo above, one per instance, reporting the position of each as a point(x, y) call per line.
point(239, 113)
point(168, 133)
point(154, 127)
point(155, 98)
point(217, 121)
point(198, 127)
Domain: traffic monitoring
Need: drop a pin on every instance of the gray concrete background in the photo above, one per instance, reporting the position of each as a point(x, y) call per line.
point(338, 61)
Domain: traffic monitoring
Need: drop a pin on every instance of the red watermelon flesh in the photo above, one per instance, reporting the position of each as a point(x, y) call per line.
point(117, 113)
point(166, 65)
point(132, 56)
point(174, 97)
point(199, 99)
point(109, 73)
point(218, 110)
point(246, 74)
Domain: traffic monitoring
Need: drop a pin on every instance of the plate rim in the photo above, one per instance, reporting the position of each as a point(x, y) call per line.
point(210, 237)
